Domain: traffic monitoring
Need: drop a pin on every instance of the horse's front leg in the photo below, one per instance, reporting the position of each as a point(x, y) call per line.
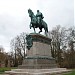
point(30, 25)
point(34, 30)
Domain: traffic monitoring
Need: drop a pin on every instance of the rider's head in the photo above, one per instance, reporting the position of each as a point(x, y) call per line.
point(37, 10)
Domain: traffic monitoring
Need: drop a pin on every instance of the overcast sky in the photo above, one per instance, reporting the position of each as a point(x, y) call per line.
point(14, 17)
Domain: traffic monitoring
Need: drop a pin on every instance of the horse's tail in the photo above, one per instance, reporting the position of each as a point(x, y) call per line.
point(46, 27)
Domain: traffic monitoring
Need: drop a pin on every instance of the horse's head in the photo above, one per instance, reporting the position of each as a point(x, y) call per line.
point(30, 12)
point(32, 16)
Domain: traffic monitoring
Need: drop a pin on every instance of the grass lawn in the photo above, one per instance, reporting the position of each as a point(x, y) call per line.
point(2, 70)
point(71, 73)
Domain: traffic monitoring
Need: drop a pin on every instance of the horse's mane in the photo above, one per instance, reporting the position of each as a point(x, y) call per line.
point(33, 14)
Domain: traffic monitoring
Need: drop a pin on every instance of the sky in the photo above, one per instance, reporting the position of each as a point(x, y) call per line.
point(14, 17)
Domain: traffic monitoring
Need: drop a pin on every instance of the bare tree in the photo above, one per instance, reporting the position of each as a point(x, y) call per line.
point(18, 45)
point(55, 35)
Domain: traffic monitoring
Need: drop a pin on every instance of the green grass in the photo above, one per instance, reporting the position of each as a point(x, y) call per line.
point(2, 70)
point(71, 73)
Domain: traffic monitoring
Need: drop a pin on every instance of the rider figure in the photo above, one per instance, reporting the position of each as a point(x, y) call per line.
point(39, 17)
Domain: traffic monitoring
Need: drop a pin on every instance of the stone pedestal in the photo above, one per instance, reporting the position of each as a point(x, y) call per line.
point(41, 46)
point(38, 63)
point(39, 55)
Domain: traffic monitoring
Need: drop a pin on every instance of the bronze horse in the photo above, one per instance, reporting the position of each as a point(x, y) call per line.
point(35, 24)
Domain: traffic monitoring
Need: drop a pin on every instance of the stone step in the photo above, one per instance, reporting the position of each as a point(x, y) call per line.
point(56, 71)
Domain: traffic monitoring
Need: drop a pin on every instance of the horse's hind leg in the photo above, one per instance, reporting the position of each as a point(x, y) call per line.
point(46, 33)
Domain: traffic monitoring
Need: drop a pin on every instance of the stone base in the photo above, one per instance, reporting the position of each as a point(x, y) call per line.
point(41, 46)
point(54, 71)
point(38, 62)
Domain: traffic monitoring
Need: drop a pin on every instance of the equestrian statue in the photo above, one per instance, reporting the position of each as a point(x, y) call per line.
point(37, 21)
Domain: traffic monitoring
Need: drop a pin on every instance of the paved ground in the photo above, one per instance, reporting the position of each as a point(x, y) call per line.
point(55, 71)
point(3, 74)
